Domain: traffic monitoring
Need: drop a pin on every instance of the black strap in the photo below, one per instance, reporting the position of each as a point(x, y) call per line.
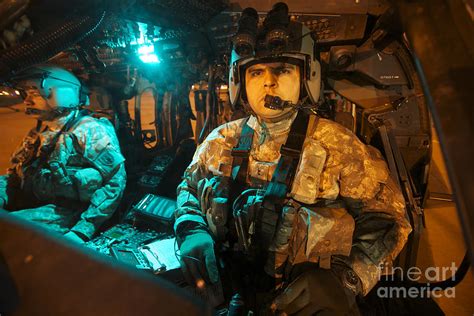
point(282, 178)
point(46, 150)
point(290, 155)
point(286, 167)
point(275, 194)
point(240, 154)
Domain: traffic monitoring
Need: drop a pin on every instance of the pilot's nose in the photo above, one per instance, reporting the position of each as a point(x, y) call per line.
point(29, 101)
point(270, 80)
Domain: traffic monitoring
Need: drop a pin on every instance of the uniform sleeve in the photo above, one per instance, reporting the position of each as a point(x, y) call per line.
point(189, 206)
point(372, 198)
point(101, 149)
point(3, 191)
point(378, 209)
point(202, 177)
point(24, 153)
point(188, 202)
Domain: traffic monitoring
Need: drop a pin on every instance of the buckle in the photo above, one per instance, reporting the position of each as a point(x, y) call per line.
point(289, 152)
point(241, 153)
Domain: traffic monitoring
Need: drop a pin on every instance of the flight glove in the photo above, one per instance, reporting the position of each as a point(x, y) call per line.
point(317, 291)
point(198, 261)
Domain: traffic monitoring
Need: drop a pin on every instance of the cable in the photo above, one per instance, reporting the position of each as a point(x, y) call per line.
point(179, 256)
point(441, 285)
point(48, 43)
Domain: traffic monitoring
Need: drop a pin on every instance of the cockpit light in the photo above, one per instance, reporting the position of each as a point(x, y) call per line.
point(146, 53)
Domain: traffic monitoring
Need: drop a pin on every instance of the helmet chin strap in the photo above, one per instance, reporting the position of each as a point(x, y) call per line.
point(33, 111)
point(44, 115)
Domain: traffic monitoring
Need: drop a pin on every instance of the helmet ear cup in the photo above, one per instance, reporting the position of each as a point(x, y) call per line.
point(234, 81)
point(313, 83)
point(63, 97)
point(84, 96)
point(234, 92)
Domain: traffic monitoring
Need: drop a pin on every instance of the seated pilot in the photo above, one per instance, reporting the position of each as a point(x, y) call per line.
point(286, 193)
point(68, 173)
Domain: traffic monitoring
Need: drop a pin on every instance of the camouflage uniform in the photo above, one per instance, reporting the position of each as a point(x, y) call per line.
point(344, 207)
point(79, 185)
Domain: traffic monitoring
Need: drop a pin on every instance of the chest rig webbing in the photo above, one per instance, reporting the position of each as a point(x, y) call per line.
point(261, 225)
point(43, 153)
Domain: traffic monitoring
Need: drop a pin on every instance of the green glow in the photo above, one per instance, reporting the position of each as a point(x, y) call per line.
point(144, 46)
point(147, 54)
point(150, 59)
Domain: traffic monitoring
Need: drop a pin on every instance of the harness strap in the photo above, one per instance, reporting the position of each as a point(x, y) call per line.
point(267, 217)
point(282, 179)
point(46, 150)
point(290, 153)
point(240, 154)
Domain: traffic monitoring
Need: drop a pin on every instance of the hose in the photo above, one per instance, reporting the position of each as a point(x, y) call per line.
point(210, 107)
point(456, 278)
point(46, 44)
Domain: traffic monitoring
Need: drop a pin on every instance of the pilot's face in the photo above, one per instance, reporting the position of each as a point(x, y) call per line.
point(277, 79)
point(36, 105)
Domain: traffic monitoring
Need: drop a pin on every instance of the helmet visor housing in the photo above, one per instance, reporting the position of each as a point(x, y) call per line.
point(59, 87)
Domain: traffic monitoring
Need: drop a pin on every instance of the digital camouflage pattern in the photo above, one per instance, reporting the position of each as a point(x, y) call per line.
point(84, 173)
point(343, 206)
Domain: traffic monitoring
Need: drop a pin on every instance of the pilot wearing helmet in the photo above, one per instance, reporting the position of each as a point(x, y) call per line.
point(295, 194)
point(68, 173)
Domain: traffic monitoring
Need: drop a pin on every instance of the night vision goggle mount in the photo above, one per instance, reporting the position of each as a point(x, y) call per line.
point(277, 39)
point(275, 30)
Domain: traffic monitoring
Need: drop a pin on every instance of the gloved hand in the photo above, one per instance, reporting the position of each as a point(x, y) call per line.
point(74, 237)
point(198, 261)
point(318, 292)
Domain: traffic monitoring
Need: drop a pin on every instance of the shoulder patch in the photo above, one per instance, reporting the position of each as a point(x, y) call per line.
point(106, 158)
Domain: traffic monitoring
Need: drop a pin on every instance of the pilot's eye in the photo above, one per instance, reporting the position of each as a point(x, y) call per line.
point(256, 72)
point(283, 71)
point(32, 92)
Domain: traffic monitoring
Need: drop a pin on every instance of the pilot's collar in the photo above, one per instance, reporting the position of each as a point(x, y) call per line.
point(57, 124)
point(272, 128)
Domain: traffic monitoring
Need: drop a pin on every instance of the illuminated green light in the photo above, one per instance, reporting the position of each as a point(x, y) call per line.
point(147, 55)
point(150, 58)
point(146, 49)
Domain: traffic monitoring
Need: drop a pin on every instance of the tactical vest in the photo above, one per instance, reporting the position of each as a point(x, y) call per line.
point(256, 223)
point(30, 171)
